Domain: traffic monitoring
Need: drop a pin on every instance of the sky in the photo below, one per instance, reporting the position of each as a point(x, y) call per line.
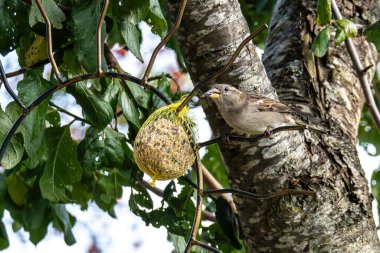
point(127, 233)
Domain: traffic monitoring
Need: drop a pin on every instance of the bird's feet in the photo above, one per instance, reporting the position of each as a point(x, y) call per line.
point(268, 132)
point(226, 138)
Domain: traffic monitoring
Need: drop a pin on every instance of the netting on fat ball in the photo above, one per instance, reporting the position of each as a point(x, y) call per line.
point(164, 145)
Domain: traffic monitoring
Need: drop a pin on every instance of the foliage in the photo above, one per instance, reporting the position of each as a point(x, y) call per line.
point(47, 168)
point(257, 12)
point(343, 29)
point(372, 33)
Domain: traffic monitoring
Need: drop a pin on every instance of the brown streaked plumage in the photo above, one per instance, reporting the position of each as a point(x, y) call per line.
point(249, 113)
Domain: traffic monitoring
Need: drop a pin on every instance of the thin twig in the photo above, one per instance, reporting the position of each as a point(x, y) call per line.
point(55, 88)
point(60, 109)
point(8, 88)
point(159, 192)
point(205, 246)
point(49, 41)
point(164, 40)
point(37, 64)
point(360, 71)
point(260, 196)
point(197, 218)
point(231, 138)
point(21, 70)
point(213, 184)
point(99, 37)
point(222, 70)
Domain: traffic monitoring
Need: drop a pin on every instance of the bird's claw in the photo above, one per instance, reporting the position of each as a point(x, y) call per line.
point(226, 138)
point(268, 132)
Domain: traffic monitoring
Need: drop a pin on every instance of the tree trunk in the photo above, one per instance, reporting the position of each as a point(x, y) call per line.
point(339, 219)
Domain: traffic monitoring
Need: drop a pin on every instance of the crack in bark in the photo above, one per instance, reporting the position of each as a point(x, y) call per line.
point(339, 220)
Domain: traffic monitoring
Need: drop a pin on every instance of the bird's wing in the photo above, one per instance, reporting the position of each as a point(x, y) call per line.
point(265, 104)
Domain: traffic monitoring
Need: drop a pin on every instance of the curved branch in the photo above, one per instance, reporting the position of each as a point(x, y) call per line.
point(261, 196)
point(164, 40)
point(62, 85)
point(198, 211)
point(99, 37)
point(231, 138)
point(360, 71)
point(205, 246)
point(8, 88)
point(49, 41)
point(222, 70)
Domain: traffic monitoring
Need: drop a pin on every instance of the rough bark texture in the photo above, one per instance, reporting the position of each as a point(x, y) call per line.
point(340, 218)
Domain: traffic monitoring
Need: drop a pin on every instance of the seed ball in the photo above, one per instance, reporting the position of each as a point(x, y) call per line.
point(162, 150)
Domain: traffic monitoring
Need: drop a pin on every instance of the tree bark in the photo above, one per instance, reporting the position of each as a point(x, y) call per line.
point(339, 219)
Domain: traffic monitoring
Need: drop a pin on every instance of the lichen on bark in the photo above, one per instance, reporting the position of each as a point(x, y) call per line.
point(339, 219)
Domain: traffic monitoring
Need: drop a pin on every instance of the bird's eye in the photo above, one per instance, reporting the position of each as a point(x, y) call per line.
point(226, 89)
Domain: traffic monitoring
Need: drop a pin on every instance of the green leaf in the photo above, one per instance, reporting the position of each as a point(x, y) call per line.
point(36, 214)
point(140, 198)
point(64, 223)
point(113, 187)
point(3, 187)
point(15, 149)
point(348, 27)
point(324, 13)
point(53, 117)
point(367, 132)
point(321, 43)
point(134, 10)
point(83, 191)
point(132, 37)
point(340, 36)
point(164, 85)
point(62, 166)
point(129, 109)
point(12, 24)
point(30, 89)
point(109, 189)
point(4, 241)
point(95, 109)
point(142, 98)
point(17, 189)
point(111, 94)
point(156, 19)
point(102, 149)
point(372, 34)
point(375, 186)
point(36, 235)
point(214, 163)
point(216, 237)
point(178, 241)
point(86, 15)
point(54, 13)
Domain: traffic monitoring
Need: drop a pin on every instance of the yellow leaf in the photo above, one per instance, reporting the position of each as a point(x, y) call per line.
point(37, 51)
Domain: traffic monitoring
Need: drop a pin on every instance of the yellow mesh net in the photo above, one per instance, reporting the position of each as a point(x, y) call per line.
point(163, 147)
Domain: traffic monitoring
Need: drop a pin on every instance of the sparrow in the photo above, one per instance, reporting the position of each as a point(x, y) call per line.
point(249, 113)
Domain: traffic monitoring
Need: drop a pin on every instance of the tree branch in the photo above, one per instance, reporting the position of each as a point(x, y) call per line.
point(360, 71)
point(69, 113)
point(223, 70)
point(49, 41)
point(164, 40)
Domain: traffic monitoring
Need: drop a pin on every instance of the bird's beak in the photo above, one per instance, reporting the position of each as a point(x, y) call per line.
point(213, 93)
